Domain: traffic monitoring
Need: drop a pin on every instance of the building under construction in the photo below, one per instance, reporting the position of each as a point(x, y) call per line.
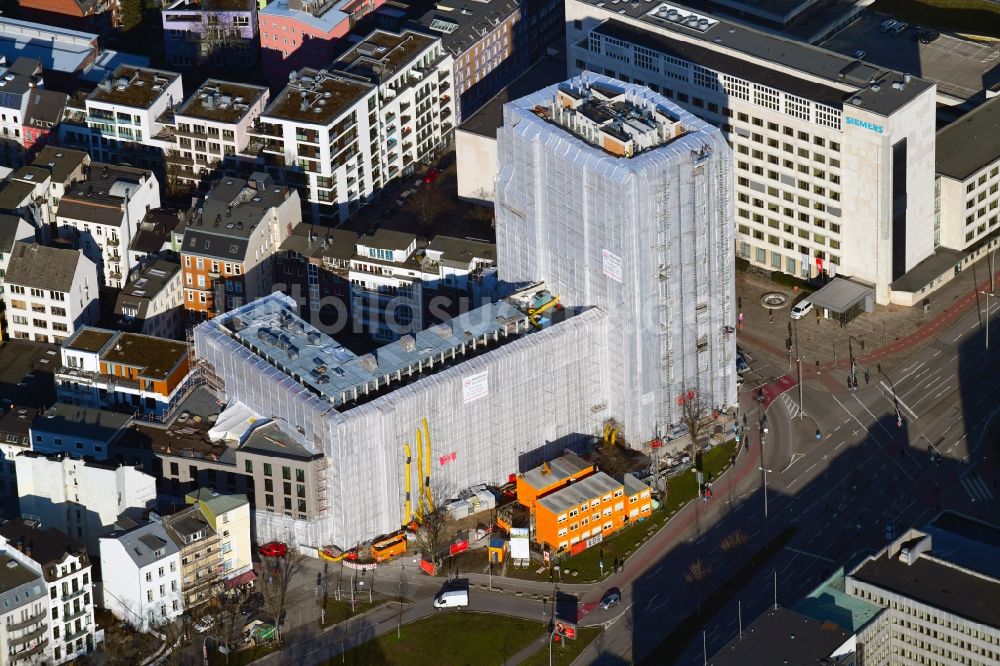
point(490, 393)
point(619, 199)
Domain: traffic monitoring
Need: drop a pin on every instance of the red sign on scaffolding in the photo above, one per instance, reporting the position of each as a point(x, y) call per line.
point(444, 460)
point(457, 548)
point(428, 567)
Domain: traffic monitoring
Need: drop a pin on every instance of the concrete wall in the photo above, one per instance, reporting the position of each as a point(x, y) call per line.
point(476, 156)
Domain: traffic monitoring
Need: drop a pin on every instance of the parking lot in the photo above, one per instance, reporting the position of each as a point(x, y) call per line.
point(960, 67)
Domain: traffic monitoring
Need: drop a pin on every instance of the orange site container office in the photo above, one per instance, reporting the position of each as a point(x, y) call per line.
point(388, 548)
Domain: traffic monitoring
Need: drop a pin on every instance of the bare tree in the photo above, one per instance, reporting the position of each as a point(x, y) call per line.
point(733, 541)
point(693, 415)
point(276, 576)
point(432, 535)
point(697, 572)
point(483, 214)
point(228, 621)
point(428, 202)
point(122, 646)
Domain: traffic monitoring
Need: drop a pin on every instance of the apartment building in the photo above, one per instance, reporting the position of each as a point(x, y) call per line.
point(616, 198)
point(13, 229)
point(229, 516)
point(49, 292)
point(103, 369)
point(210, 33)
point(312, 267)
point(212, 128)
point(152, 303)
point(321, 132)
point(229, 242)
point(460, 264)
point(15, 438)
point(124, 116)
point(296, 34)
point(52, 173)
point(77, 431)
point(101, 213)
point(44, 112)
point(492, 43)
point(387, 295)
point(24, 609)
point(145, 590)
point(201, 555)
point(159, 236)
point(967, 191)
point(834, 156)
point(78, 497)
point(96, 15)
point(416, 105)
point(21, 78)
point(66, 570)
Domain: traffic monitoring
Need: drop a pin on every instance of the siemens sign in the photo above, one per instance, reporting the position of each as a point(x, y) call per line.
point(861, 123)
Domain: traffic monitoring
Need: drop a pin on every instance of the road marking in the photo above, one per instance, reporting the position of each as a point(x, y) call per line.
point(795, 458)
point(808, 554)
point(976, 487)
point(899, 402)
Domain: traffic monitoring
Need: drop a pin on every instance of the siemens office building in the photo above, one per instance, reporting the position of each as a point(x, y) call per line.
point(834, 157)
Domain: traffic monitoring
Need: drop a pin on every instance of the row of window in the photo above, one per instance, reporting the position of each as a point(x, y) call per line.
point(38, 293)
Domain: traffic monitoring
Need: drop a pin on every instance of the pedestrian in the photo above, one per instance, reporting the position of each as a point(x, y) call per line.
point(770, 314)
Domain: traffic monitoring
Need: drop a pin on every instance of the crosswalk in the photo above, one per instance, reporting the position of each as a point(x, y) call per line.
point(976, 488)
point(790, 405)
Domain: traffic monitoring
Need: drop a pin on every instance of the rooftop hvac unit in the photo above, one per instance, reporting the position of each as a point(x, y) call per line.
point(313, 337)
point(408, 343)
point(369, 362)
point(293, 352)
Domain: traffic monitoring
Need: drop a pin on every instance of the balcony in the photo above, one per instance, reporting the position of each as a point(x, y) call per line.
point(70, 596)
point(79, 633)
point(266, 129)
point(41, 630)
point(76, 614)
point(115, 275)
point(444, 86)
point(113, 241)
point(14, 626)
point(274, 147)
point(25, 656)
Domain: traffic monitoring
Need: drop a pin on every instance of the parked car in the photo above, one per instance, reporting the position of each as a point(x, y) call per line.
point(741, 365)
point(801, 309)
point(888, 25)
point(432, 175)
point(274, 549)
point(928, 36)
point(611, 598)
point(860, 54)
point(204, 624)
point(899, 28)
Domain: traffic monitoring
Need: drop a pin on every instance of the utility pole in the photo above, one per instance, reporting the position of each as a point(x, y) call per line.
point(764, 470)
point(991, 292)
point(798, 358)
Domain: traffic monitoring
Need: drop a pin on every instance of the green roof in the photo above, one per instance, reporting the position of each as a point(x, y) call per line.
point(830, 603)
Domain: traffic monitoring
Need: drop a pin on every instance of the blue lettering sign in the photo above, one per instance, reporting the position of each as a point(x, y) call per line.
point(867, 125)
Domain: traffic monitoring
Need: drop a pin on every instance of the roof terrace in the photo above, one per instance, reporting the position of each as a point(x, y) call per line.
point(382, 54)
point(133, 86)
point(270, 329)
point(316, 97)
point(221, 101)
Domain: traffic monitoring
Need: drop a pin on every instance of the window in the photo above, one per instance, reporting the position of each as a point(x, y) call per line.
point(267, 469)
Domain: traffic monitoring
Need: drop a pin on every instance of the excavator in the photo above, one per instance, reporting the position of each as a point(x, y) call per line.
point(534, 314)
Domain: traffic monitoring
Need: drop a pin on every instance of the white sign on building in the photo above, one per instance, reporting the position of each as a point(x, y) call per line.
point(475, 386)
point(612, 265)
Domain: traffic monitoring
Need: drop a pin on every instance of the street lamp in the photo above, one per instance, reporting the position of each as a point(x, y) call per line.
point(988, 294)
point(798, 360)
point(853, 381)
point(763, 431)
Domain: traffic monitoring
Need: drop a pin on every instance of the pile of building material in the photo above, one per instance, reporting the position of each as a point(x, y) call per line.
point(471, 501)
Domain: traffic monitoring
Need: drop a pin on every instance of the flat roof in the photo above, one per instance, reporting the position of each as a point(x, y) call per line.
point(459, 251)
point(58, 49)
point(13, 577)
point(782, 636)
point(960, 67)
point(489, 117)
point(320, 241)
point(316, 99)
point(560, 469)
point(578, 492)
point(948, 588)
point(380, 55)
point(787, 53)
point(830, 602)
point(967, 542)
point(387, 239)
point(89, 339)
point(74, 420)
point(327, 17)
point(156, 357)
point(969, 144)
point(927, 270)
point(221, 101)
point(211, 5)
point(133, 86)
point(840, 294)
point(271, 329)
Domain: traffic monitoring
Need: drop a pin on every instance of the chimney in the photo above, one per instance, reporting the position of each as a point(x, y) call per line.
point(104, 171)
point(30, 544)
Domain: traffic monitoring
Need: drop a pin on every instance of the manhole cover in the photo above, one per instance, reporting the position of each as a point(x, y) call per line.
point(774, 299)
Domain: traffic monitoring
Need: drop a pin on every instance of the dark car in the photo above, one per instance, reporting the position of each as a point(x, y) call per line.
point(253, 604)
point(928, 36)
point(611, 598)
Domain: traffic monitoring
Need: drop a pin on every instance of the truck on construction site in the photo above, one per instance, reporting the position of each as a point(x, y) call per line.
point(383, 550)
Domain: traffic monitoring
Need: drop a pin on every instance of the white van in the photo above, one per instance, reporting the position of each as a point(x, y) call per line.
point(452, 599)
point(801, 309)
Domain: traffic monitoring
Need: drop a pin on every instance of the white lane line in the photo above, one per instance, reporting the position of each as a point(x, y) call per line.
point(807, 554)
point(878, 422)
point(900, 402)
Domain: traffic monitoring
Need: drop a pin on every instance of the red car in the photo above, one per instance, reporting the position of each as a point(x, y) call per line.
point(274, 549)
point(432, 175)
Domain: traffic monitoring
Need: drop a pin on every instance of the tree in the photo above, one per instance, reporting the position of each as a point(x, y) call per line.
point(228, 621)
point(432, 535)
point(131, 14)
point(692, 414)
point(733, 541)
point(277, 574)
point(697, 572)
point(428, 202)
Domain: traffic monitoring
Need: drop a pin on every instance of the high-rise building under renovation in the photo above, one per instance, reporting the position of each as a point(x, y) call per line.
point(619, 199)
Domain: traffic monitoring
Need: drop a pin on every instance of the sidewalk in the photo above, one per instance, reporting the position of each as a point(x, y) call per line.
point(886, 332)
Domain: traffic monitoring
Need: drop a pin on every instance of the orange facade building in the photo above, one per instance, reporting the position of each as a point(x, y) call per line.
point(573, 505)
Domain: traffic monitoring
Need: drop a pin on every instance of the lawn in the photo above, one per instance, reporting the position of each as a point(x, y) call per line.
point(466, 638)
point(976, 17)
point(564, 656)
point(339, 611)
point(681, 489)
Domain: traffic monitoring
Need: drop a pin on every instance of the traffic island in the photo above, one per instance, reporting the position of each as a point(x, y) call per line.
point(564, 652)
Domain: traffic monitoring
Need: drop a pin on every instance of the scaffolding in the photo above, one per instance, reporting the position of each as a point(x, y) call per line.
point(644, 235)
